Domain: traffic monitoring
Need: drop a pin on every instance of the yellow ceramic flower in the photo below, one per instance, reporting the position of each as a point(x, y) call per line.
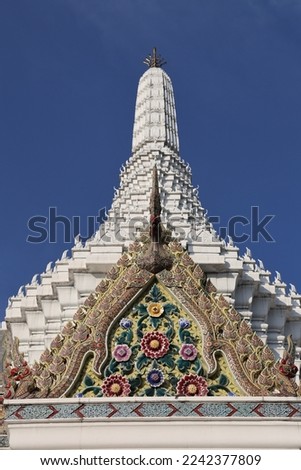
point(192, 389)
point(115, 388)
point(154, 344)
point(155, 309)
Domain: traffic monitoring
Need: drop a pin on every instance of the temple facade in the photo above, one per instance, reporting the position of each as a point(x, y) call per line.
point(155, 322)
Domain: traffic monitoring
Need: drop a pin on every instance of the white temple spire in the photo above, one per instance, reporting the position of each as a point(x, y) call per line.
point(35, 315)
point(155, 113)
point(155, 142)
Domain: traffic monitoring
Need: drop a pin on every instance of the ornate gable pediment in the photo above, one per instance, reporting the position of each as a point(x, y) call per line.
point(145, 334)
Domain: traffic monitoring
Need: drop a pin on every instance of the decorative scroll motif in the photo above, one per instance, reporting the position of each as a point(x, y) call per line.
point(287, 366)
point(145, 334)
point(18, 377)
point(82, 337)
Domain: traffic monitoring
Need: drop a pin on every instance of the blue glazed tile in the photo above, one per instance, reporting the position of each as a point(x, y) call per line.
point(125, 409)
point(215, 409)
point(3, 441)
point(275, 410)
point(155, 410)
point(185, 409)
point(297, 406)
point(64, 411)
point(244, 410)
point(10, 410)
point(35, 412)
point(101, 410)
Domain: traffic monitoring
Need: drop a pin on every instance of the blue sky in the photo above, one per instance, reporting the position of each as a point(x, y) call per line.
point(68, 78)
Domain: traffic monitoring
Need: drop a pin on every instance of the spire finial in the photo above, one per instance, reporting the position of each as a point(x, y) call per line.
point(155, 209)
point(154, 59)
point(156, 258)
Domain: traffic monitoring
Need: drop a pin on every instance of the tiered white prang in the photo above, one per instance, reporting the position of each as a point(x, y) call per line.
point(36, 314)
point(155, 141)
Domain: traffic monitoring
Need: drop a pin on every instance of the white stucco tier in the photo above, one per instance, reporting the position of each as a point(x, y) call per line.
point(142, 423)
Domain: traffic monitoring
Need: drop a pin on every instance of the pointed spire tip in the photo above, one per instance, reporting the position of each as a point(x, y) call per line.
point(154, 59)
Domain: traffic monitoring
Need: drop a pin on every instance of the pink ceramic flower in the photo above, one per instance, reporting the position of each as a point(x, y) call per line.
point(154, 344)
point(188, 352)
point(116, 386)
point(122, 353)
point(192, 385)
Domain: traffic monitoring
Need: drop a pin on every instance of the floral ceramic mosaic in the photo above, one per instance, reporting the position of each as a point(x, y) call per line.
point(155, 350)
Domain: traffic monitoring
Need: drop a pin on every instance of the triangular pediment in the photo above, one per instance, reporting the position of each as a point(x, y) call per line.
point(154, 334)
